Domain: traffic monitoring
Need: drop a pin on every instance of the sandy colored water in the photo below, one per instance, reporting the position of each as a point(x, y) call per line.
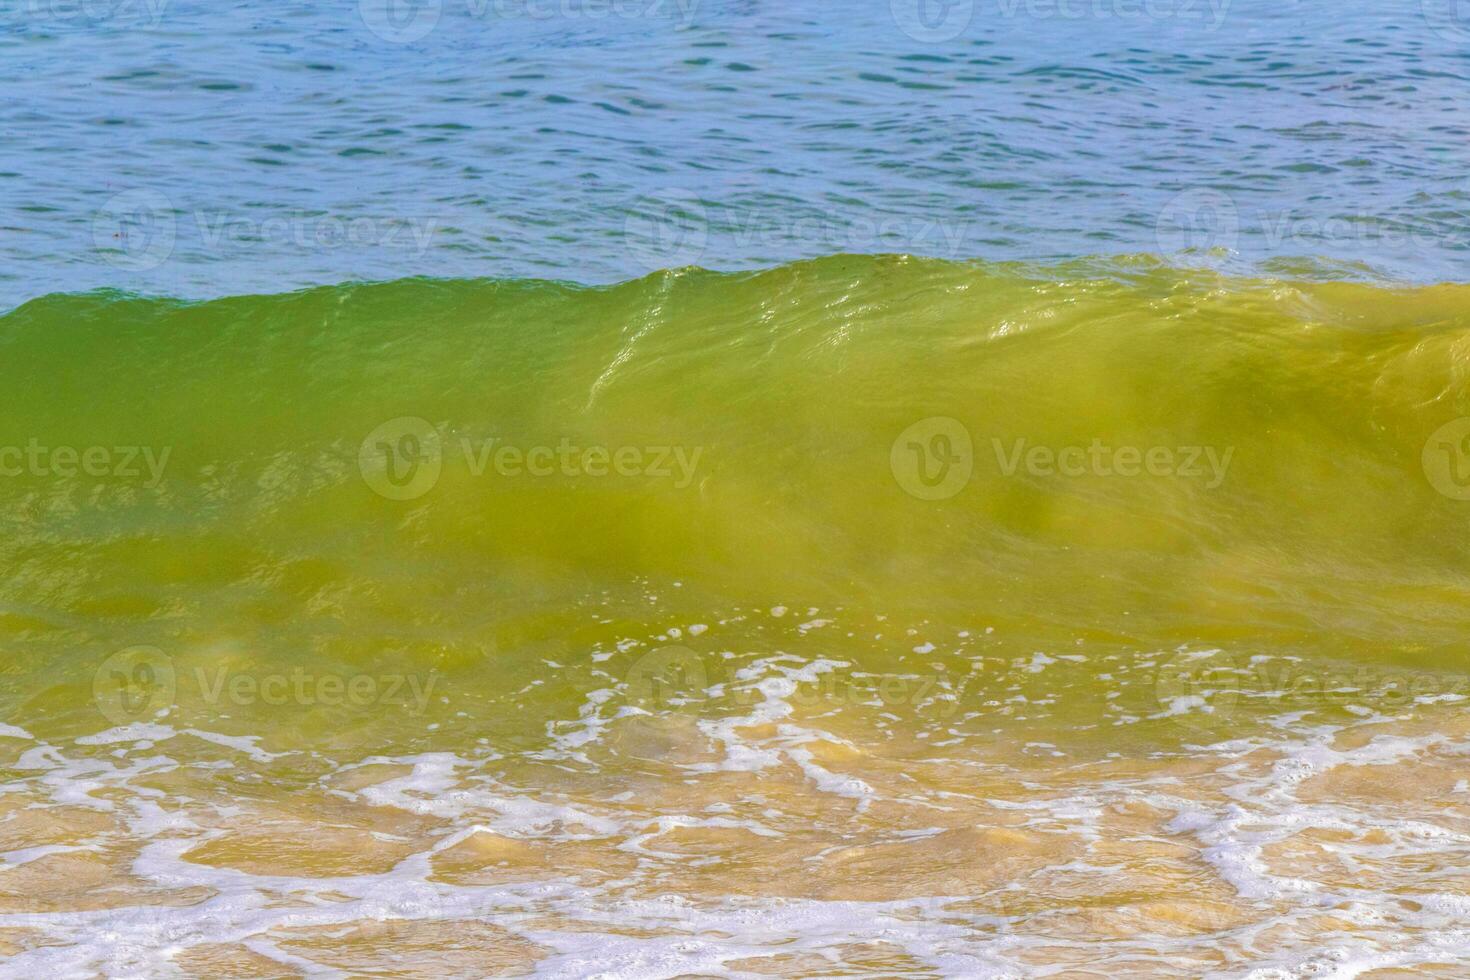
point(787, 841)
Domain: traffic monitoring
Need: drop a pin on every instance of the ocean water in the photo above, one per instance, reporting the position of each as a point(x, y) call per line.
point(634, 490)
point(199, 149)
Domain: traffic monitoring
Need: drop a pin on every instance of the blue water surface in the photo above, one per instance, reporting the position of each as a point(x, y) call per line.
point(197, 148)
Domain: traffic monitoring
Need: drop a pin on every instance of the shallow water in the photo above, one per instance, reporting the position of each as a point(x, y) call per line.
point(1019, 529)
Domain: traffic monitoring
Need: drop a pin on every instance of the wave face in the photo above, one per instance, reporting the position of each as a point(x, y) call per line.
point(757, 416)
point(736, 568)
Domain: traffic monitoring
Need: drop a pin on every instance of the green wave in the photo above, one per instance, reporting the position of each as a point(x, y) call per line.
point(1158, 457)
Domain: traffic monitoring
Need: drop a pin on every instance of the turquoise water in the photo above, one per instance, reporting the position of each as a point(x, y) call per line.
point(267, 146)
